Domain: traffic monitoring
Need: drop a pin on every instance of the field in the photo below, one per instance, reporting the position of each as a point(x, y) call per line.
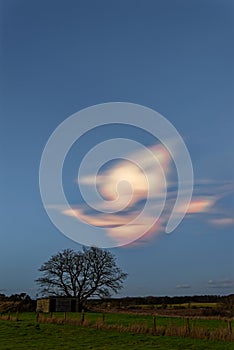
point(28, 334)
point(179, 306)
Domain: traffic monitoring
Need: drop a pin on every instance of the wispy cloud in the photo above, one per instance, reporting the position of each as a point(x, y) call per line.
point(124, 178)
point(183, 286)
point(225, 283)
point(126, 188)
point(222, 222)
point(119, 225)
point(200, 205)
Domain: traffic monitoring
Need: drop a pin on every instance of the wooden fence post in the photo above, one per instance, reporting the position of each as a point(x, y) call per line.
point(82, 316)
point(154, 324)
point(230, 327)
point(65, 316)
point(188, 329)
point(37, 317)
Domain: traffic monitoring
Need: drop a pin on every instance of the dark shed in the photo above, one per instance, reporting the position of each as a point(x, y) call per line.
point(57, 304)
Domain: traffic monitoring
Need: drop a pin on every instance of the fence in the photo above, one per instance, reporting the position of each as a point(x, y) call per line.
point(214, 329)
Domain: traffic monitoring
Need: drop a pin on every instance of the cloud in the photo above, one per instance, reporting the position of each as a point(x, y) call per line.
point(225, 283)
point(125, 188)
point(131, 195)
point(119, 226)
point(199, 205)
point(183, 286)
point(141, 177)
point(99, 219)
point(222, 222)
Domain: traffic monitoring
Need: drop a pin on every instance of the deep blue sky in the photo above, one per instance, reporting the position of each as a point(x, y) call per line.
point(173, 56)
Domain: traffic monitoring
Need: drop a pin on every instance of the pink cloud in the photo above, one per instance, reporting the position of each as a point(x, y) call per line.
point(200, 205)
point(127, 183)
point(221, 222)
point(123, 186)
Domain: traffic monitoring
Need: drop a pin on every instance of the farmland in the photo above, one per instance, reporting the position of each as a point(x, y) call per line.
point(114, 331)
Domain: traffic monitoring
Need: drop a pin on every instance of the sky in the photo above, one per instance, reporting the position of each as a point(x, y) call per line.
point(174, 57)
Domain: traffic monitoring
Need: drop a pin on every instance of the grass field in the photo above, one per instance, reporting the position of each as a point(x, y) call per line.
point(28, 335)
point(125, 320)
point(183, 305)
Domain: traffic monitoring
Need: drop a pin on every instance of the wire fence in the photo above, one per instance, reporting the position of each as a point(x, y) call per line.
point(220, 329)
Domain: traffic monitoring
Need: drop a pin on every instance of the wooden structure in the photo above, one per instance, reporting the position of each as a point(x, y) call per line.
point(57, 304)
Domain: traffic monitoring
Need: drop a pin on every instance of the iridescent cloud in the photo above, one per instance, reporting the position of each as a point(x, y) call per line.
point(126, 187)
point(200, 205)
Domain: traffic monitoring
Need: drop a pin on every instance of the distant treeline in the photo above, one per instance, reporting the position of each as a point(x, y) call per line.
point(15, 297)
point(17, 302)
point(23, 302)
point(153, 300)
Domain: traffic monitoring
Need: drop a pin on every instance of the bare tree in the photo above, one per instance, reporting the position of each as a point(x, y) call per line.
point(90, 272)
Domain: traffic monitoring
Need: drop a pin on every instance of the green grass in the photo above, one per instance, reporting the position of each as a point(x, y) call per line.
point(125, 320)
point(26, 334)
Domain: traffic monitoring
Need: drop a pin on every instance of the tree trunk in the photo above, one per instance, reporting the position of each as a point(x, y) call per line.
point(79, 306)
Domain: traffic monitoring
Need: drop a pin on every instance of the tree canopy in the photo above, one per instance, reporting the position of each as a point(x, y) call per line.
point(90, 272)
